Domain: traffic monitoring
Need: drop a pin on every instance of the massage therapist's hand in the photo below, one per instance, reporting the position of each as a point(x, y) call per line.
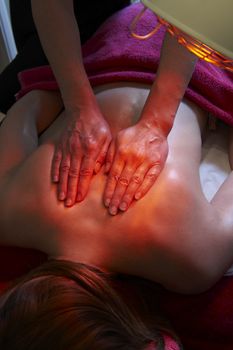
point(135, 158)
point(80, 153)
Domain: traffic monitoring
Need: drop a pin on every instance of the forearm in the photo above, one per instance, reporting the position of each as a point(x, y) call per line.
point(59, 35)
point(173, 76)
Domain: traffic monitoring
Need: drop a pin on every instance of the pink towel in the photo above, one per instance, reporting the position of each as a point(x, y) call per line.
point(204, 321)
point(112, 55)
point(169, 344)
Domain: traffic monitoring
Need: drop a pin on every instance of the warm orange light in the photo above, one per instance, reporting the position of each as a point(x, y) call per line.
point(195, 46)
point(133, 26)
point(199, 49)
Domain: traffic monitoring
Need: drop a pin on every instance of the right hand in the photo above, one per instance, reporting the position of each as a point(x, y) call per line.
point(80, 153)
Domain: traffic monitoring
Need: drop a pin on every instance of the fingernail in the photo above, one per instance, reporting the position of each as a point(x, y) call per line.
point(79, 197)
point(123, 206)
point(68, 202)
point(62, 196)
point(107, 167)
point(97, 167)
point(55, 179)
point(113, 210)
point(137, 196)
point(107, 202)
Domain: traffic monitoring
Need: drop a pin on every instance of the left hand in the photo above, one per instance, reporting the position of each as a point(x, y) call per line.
point(135, 158)
point(80, 153)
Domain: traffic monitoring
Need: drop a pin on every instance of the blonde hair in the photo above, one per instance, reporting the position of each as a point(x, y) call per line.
point(72, 306)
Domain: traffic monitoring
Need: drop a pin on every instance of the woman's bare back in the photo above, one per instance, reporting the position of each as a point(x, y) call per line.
point(152, 239)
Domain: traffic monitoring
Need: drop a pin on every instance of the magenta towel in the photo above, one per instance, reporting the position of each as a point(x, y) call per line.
point(112, 55)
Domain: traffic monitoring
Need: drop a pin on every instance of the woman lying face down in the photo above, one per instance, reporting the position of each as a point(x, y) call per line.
point(173, 236)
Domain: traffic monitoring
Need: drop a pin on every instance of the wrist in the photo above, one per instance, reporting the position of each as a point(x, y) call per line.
point(160, 120)
point(75, 106)
point(87, 113)
point(75, 99)
point(161, 106)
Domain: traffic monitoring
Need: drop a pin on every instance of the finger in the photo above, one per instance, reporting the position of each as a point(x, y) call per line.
point(120, 189)
point(73, 178)
point(112, 180)
point(63, 177)
point(101, 157)
point(56, 161)
point(110, 157)
point(148, 181)
point(85, 175)
point(135, 182)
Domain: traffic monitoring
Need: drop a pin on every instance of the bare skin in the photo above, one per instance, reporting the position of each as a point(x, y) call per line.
point(173, 235)
point(83, 146)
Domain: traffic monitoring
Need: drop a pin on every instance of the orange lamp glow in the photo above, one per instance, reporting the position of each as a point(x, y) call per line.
point(204, 28)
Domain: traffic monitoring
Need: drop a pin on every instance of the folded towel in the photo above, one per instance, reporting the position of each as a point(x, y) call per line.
point(113, 55)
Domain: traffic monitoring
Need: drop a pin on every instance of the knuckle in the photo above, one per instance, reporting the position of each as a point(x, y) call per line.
point(114, 177)
point(136, 179)
point(74, 133)
point(64, 168)
point(85, 172)
point(57, 157)
point(91, 144)
point(123, 181)
point(73, 173)
point(151, 176)
point(103, 132)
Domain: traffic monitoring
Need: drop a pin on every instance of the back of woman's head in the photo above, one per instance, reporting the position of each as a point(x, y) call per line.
point(71, 306)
